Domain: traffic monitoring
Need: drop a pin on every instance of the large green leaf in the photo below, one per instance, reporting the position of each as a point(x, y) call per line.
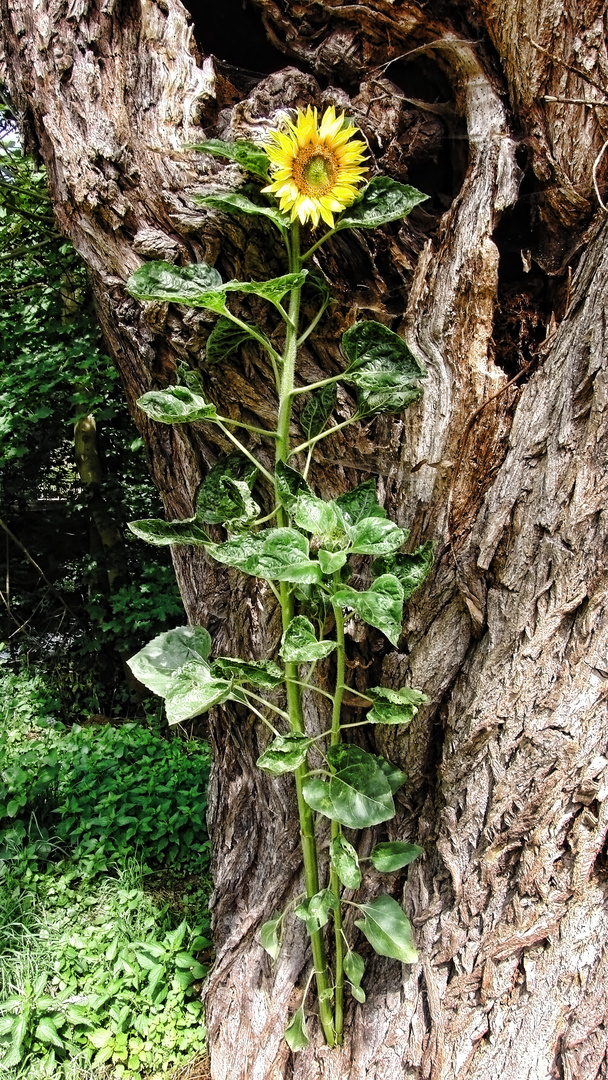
point(225, 339)
point(380, 606)
point(219, 501)
point(177, 405)
point(411, 569)
point(173, 284)
point(387, 929)
point(358, 793)
point(383, 368)
point(299, 644)
point(269, 936)
point(285, 754)
point(192, 691)
point(394, 706)
point(160, 533)
point(157, 662)
point(318, 410)
point(376, 536)
point(394, 854)
point(360, 502)
point(289, 484)
point(262, 673)
point(234, 202)
point(345, 862)
point(248, 155)
point(186, 285)
point(275, 554)
point(295, 1033)
point(382, 200)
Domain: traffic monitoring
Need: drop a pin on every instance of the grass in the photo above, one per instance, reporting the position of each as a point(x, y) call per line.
point(104, 928)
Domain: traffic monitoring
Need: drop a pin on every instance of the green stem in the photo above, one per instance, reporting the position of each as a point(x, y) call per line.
point(316, 385)
point(248, 427)
point(239, 445)
point(334, 881)
point(311, 326)
point(294, 696)
point(330, 431)
point(314, 247)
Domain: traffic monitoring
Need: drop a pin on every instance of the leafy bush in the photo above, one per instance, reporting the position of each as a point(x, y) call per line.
point(105, 977)
point(106, 793)
point(126, 789)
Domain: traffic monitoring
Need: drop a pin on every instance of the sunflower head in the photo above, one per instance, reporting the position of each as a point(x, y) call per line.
point(316, 167)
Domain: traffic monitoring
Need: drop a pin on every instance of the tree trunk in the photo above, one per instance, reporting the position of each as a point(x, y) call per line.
point(500, 287)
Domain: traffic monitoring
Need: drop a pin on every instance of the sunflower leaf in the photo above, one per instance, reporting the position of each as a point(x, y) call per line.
point(387, 929)
point(358, 794)
point(295, 1033)
point(269, 936)
point(318, 410)
point(380, 606)
point(299, 643)
point(219, 501)
point(382, 200)
point(285, 754)
point(161, 533)
point(176, 405)
point(201, 286)
point(382, 367)
point(234, 202)
point(411, 569)
point(225, 339)
point(393, 855)
point(275, 554)
point(250, 157)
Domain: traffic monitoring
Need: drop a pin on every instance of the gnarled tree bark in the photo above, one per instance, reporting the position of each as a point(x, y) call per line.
point(500, 287)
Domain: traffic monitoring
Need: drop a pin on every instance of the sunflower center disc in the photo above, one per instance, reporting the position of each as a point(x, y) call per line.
point(318, 173)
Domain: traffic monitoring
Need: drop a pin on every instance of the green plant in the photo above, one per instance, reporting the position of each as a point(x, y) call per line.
point(305, 551)
point(126, 789)
point(102, 792)
point(95, 997)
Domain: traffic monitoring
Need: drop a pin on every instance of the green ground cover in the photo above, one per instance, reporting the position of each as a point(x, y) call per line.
point(104, 928)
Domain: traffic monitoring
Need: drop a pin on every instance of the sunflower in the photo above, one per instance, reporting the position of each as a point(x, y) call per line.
point(315, 167)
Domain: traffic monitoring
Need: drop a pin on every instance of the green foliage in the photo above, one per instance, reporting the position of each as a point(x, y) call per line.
point(250, 157)
point(102, 976)
point(93, 970)
point(126, 789)
point(106, 792)
point(383, 200)
point(387, 929)
point(234, 202)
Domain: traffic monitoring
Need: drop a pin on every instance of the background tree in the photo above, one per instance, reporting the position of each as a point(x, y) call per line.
point(498, 113)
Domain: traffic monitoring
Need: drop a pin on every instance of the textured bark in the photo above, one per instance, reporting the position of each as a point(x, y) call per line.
point(508, 765)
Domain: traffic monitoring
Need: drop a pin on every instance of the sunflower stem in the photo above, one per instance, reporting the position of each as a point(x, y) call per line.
point(294, 694)
point(314, 247)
